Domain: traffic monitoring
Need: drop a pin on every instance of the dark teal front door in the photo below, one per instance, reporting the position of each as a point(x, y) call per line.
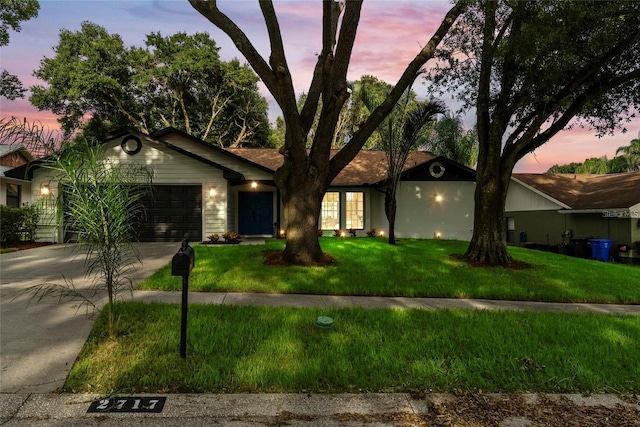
point(255, 214)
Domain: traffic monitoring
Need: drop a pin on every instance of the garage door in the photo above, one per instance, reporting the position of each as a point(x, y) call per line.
point(172, 211)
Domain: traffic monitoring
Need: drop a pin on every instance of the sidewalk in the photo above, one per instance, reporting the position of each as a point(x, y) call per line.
point(346, 301)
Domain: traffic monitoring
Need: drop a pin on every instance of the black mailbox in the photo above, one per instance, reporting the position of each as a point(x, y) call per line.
point(182, 263)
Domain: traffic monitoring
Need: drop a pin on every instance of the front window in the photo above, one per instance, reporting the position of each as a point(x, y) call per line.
point(13, 195)
point(330, 211)
point(355, 210)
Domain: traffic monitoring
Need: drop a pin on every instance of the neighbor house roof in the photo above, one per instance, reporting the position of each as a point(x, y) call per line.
point(584, 192)
point(12, 155)
point(368, 167)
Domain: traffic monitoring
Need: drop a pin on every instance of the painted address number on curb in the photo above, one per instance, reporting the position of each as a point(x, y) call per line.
point(128, 404)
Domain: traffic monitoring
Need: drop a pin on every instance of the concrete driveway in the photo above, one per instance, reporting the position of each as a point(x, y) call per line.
point(39, 342)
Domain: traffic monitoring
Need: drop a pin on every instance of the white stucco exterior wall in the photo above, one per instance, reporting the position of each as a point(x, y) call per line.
point(420, 215)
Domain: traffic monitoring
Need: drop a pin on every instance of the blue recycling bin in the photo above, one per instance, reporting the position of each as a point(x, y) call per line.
point(600, 249)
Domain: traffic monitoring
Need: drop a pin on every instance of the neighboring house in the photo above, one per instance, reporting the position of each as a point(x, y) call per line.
point(557, 208)
point(203, 189)
point(14, 192)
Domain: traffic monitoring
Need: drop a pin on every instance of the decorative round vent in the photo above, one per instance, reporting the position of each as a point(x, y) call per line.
point(131, 145)
point(436, 169)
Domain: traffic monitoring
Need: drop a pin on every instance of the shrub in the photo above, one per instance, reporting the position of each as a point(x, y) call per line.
point(18, 222)
point(231, 236)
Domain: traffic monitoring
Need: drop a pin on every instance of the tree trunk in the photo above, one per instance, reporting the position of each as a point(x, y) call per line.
point(302, 190)
point(489, 242)
point(390, 208)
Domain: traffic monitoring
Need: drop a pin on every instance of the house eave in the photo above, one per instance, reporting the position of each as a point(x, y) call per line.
point(168, 131)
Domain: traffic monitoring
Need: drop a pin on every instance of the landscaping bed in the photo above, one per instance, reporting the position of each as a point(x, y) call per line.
point(20, 246)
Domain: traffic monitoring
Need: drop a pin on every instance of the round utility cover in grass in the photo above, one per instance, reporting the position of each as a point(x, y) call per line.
point(324, 322)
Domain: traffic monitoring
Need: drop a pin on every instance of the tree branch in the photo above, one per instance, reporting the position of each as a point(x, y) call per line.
point(209, 9)
point(528, 142)
point(278, 60)
point(349, 151)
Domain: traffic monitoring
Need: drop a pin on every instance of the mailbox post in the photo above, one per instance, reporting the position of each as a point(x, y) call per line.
point(181, 265)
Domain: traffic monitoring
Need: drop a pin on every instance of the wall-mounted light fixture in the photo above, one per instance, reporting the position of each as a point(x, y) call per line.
point(212, 191)
point(45, 190)
point(438, 198)
point(254, 184)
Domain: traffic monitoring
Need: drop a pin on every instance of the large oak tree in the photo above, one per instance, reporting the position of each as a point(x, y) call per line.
point(177, 81)
point(306, 174)
point(532, 69)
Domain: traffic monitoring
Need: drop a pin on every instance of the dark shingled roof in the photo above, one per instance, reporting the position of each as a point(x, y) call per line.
point(580, 192)
point(368, 167)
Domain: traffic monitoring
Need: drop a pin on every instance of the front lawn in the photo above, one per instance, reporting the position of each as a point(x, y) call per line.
point(266, 349)
point(413, 268)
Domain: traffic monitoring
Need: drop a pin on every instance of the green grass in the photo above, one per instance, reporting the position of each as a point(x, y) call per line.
point(7, 250)
point(413, 268)
point(260, 349)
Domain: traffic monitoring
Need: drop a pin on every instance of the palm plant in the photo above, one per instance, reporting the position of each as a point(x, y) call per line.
point(400, 132)
point(100, 201)
point(631, 154)
point(450, 140)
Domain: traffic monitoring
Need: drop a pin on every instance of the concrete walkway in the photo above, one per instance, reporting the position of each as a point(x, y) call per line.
point(39, 344)
point(338, 301)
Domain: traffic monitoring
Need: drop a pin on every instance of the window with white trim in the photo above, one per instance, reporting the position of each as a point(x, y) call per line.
point(330, 211)
point(354, 210)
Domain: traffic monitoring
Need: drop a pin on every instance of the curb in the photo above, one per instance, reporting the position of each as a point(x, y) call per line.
point(393, 409)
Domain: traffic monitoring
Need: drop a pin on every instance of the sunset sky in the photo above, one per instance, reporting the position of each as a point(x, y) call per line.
point(389, 36)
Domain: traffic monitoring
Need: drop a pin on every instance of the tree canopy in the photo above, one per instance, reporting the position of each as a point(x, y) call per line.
point(531, 69)
point(177, 81)
point(12, 12)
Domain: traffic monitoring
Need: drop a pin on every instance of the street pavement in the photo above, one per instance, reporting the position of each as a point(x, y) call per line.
point(40, 342)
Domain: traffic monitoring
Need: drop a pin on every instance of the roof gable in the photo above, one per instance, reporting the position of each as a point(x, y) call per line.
point(26, 171)
point(166, 132)
point(438, 168)
point(12, 155)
